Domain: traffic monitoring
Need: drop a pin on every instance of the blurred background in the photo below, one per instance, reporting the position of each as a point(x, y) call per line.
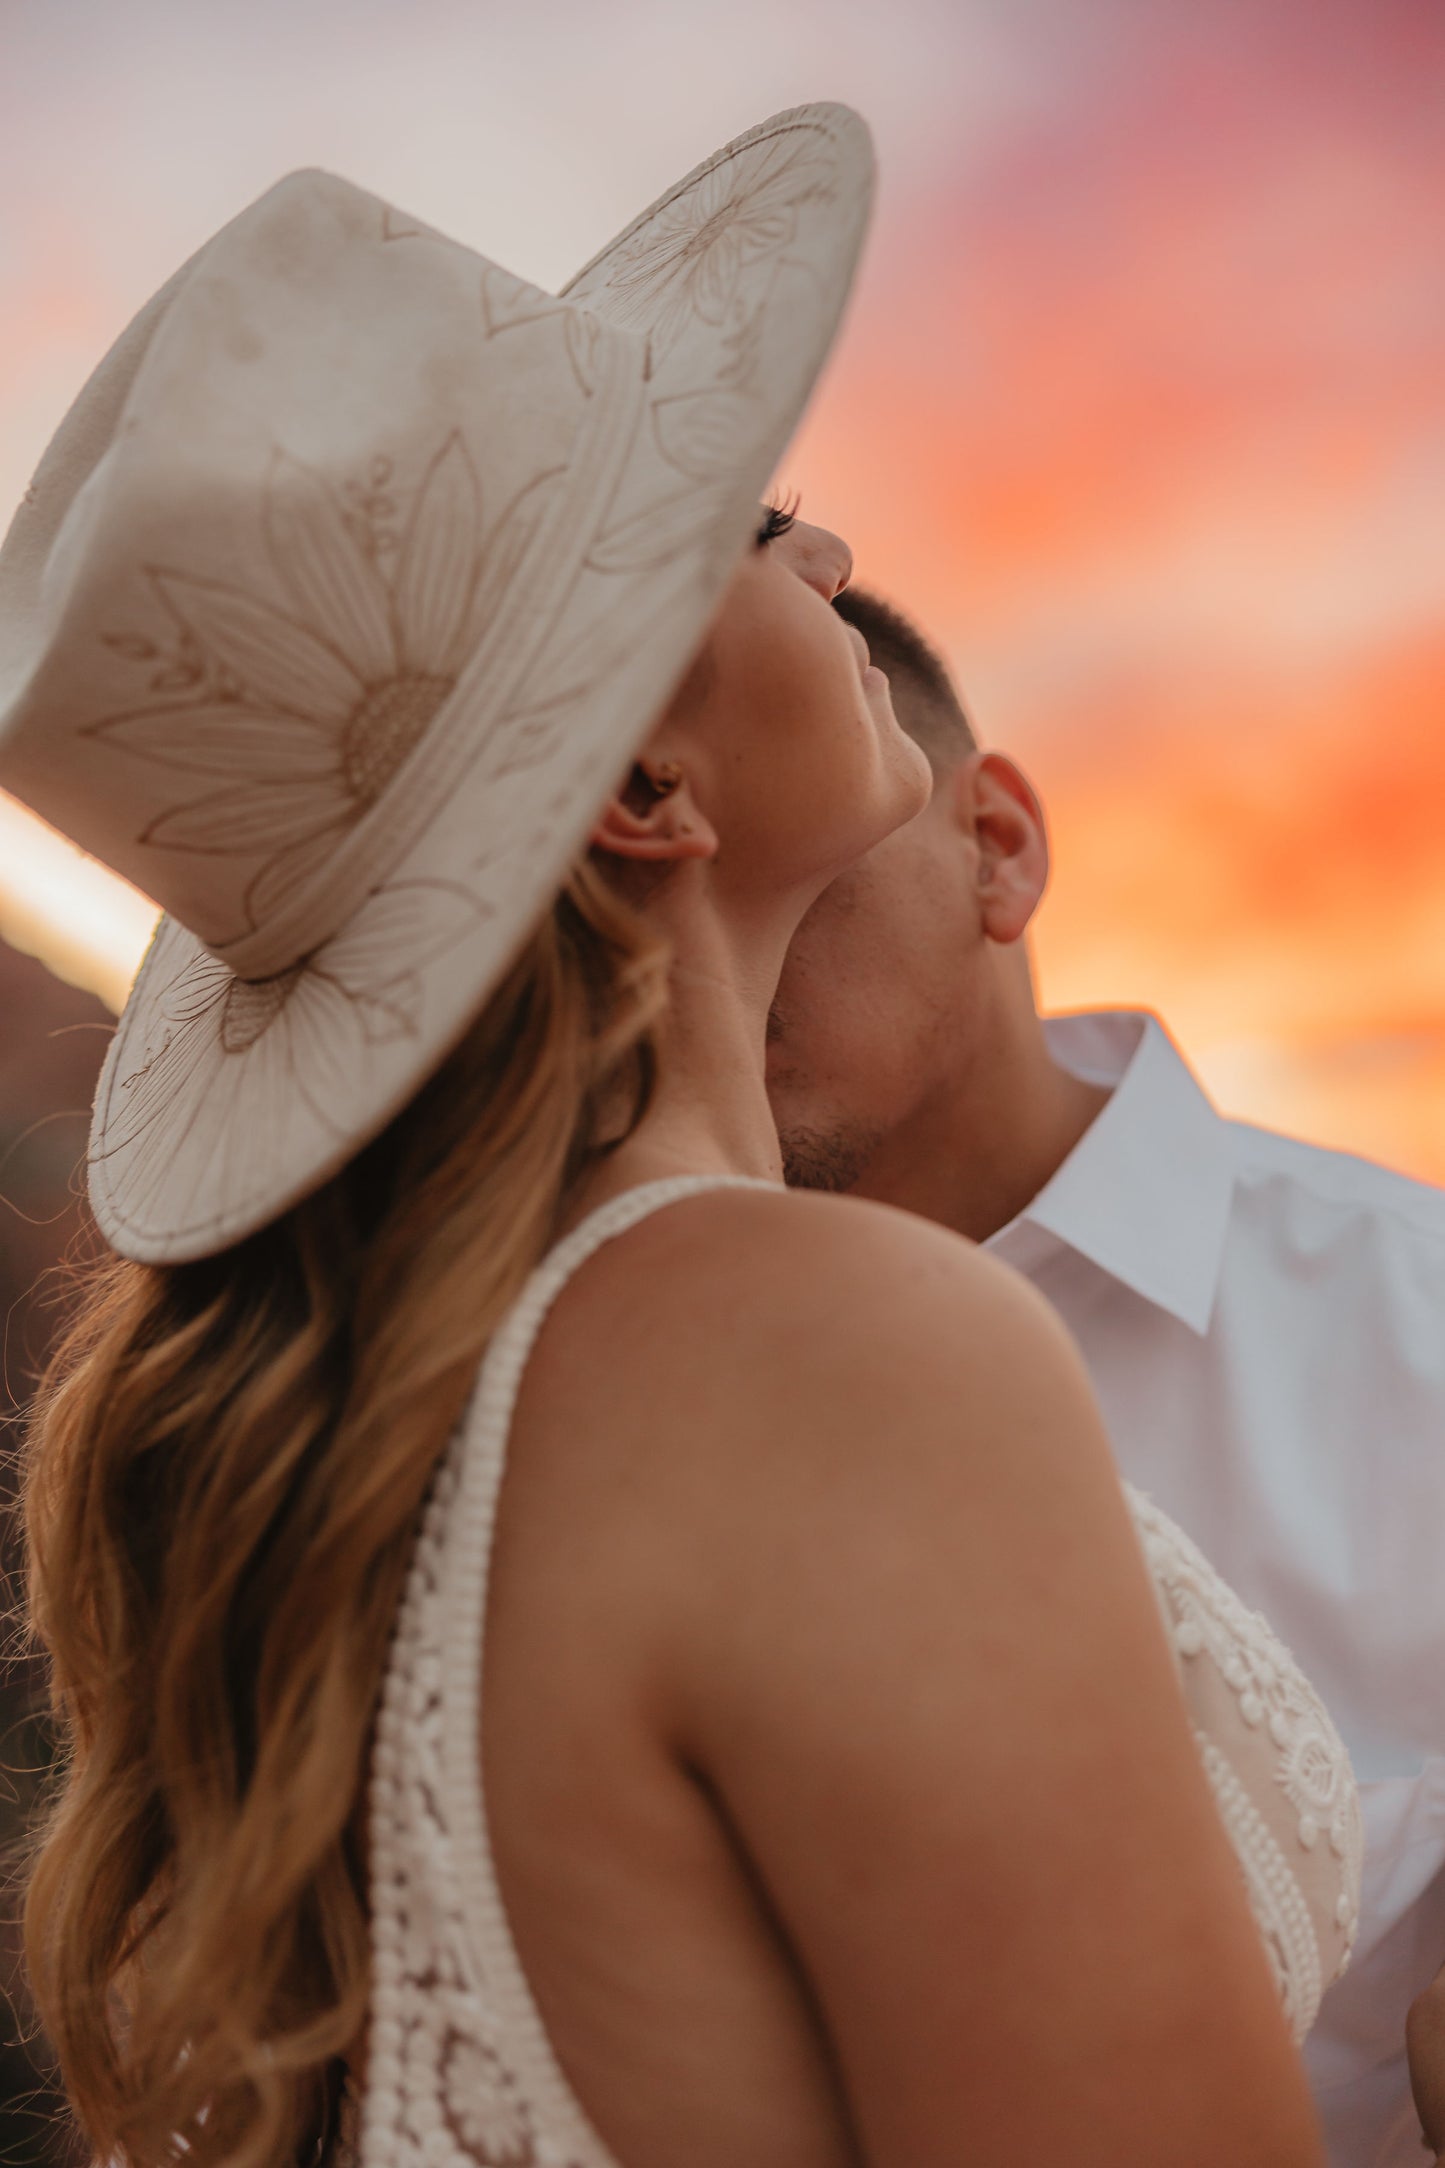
point(1140, 410)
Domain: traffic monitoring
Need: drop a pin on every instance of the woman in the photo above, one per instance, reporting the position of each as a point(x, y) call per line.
point(841, 1804)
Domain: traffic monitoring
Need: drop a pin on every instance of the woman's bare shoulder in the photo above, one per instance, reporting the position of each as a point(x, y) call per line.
point(911, 1643)
point(897, 1617)
point(750, 1289)
point(833, 1259)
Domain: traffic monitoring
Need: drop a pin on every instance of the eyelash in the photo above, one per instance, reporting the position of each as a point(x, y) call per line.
point(780, 518)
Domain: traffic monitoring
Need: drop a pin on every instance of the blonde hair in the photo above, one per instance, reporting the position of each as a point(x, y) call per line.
point(223, 1472)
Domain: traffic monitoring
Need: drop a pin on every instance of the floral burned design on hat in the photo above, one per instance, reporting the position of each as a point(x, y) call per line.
point(308, 709)
point(288, 1046)
point(691, 259)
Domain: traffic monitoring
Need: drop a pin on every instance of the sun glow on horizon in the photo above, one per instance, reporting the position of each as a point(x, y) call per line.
point(82, 921)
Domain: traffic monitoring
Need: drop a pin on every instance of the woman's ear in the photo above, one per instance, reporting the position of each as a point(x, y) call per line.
point(995, 803)
point(654, 818)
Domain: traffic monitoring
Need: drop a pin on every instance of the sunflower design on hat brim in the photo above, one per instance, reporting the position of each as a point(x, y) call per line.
point(308, 712)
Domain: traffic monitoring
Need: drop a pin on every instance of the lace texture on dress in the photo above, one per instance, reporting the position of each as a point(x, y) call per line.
point(1278, 1768)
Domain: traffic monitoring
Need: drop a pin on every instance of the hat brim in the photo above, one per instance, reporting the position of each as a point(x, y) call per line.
point(223, 1101)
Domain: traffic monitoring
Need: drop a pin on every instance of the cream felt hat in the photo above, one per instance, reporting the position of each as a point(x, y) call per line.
point(342, 598)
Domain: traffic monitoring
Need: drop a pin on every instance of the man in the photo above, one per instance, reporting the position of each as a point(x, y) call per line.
point(1264, 1320)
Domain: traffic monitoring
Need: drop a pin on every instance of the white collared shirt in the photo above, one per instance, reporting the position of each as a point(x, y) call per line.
point(1264, 1322)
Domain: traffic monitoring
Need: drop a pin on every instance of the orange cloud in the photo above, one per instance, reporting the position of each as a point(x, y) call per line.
point(1153, 441)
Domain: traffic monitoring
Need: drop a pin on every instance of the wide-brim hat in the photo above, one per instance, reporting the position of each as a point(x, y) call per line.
point(341, 600)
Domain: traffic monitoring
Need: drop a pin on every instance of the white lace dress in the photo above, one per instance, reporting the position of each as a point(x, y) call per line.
point(460, 2073)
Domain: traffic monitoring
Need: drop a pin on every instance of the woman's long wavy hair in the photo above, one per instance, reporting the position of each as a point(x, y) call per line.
point(224, 1471)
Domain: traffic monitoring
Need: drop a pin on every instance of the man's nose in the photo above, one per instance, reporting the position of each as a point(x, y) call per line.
point(823, 559)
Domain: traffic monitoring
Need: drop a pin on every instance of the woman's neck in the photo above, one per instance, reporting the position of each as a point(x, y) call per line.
point(710, 1112)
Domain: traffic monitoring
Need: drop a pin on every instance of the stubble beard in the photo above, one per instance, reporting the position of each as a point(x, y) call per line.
point(827, 1159)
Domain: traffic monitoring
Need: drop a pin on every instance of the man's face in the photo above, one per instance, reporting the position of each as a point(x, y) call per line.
point(873, 1008)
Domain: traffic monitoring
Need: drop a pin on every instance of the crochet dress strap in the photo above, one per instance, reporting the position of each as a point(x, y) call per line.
point(460, 2072)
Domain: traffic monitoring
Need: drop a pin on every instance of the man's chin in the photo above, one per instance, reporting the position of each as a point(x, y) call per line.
point(828, 1159)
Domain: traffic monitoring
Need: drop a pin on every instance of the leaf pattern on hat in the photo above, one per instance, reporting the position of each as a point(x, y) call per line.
point(692, 258)
point(508, 302)
point(308, 710)
point(657, 532)
point(292, 1042)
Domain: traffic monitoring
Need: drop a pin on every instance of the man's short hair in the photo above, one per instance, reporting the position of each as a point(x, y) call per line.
point(925, 699)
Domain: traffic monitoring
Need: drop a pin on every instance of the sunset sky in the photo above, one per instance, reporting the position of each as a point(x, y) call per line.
point(1140, 409)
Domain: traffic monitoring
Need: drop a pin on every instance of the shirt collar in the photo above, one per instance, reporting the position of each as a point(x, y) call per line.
point(1145, 1193)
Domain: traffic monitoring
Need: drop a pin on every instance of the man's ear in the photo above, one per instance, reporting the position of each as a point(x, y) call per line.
point(654, 818)
point(995, 803)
